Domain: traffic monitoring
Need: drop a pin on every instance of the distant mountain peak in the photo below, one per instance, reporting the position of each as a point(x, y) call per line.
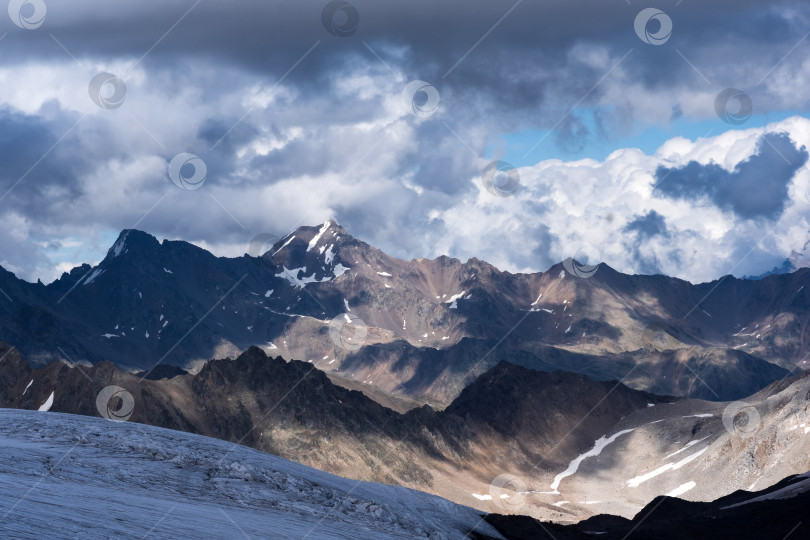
point(132, 239)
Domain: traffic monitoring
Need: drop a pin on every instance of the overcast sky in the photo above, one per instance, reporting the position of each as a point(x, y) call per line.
point(610, 122)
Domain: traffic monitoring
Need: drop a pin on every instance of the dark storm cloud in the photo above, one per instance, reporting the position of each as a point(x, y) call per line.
point(645, 228)
point(24, 141)
point(524, 61)
point(526, 73)
point(757, 187)
point(650, 224)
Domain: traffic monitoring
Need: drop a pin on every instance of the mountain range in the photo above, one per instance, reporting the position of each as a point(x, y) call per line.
point(423, 329)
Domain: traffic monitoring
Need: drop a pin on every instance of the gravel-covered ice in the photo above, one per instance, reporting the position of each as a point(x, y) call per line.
point(73, 476)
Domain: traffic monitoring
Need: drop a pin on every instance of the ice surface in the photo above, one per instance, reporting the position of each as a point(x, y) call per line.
point(71, 476)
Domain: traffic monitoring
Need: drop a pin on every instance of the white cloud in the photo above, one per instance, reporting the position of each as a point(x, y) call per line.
point(590, 201)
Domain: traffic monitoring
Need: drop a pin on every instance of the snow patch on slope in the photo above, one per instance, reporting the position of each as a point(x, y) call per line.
point(638, 480)
point(97, 272)
point(119, 246)
point(48, 403)
point(687, 446)
point(285, 244)
point(680, 490)
point(292, 275)
point(598, 446)
point(317, 237)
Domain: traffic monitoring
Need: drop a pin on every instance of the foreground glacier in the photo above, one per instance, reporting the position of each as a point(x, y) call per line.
point(66, 476)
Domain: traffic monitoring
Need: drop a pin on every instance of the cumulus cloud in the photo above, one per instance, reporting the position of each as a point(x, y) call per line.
point(615, 207)
point(756, 187)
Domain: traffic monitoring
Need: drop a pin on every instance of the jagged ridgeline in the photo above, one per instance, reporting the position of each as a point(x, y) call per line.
point(428, 326)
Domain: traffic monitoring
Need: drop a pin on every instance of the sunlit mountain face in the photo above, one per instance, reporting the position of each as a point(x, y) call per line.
point(546, 261)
